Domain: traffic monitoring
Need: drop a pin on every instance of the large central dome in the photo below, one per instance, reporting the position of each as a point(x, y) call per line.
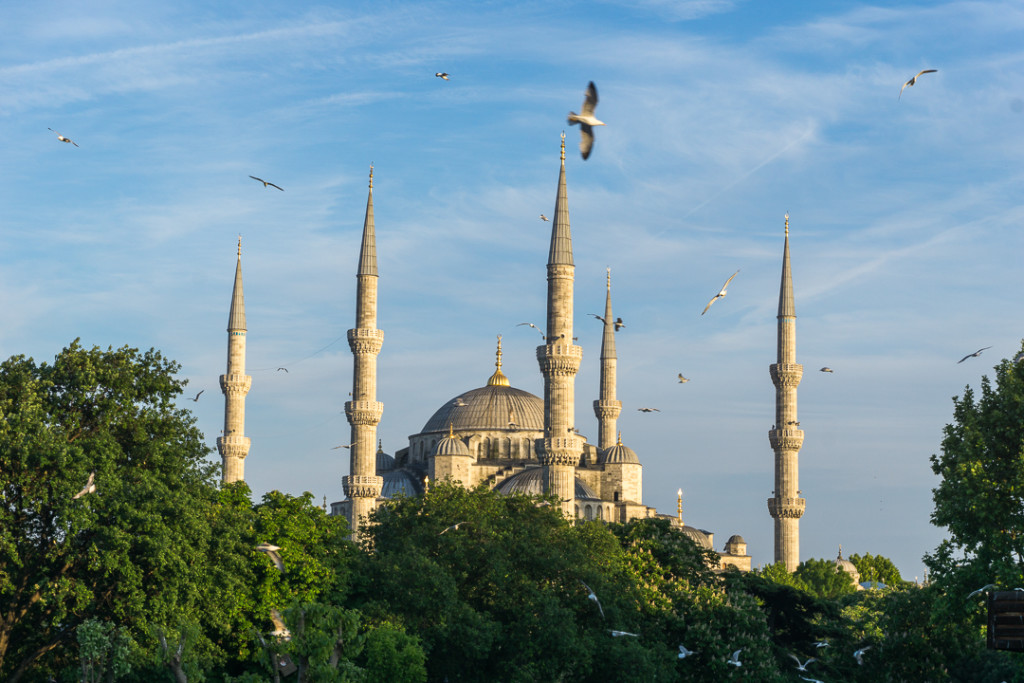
point(488, 408)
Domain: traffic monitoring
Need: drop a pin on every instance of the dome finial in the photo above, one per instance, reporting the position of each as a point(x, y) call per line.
point(371, 175)
point(451, 430)
point(239, 245)
point(563, 146)
point(787, 224)
point(679, 505)
point(498, 379)
point(609, 272)
point(620, 438)
point(380, 445)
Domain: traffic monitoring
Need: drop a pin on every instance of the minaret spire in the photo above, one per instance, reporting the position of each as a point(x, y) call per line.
point(233, 445)
point(786, 506)
point(362, 486)
point(559, 361)
point(607, 408)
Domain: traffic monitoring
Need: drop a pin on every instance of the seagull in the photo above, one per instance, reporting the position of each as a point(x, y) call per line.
point(649, 410)
point(1018, 357)
point(720, 294)
point(684, 653)
point(285, 369)
point(683, 380)
point(452, 527)
point(442, 76)
point(591, 595)
point(280, 630)
point(344, 445)
point(913, 80)
point(271, 551)
point(266, 183)
point(90, 487)
point(793, 422)
point(544, 218)
point(534, 327)
point(860, 653)
point(812, 680)
point(587, 120)
point(616, 634)
point(821, 644)
point(734, 659)
point(617, 322)
point(459, 403)
point(973, 355)
point(799, 666)
point(64, 139)
point(196, 399)
point(826, 369)
point(981, 590)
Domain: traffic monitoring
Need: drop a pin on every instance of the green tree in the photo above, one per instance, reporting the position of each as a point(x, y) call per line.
point(137, 551)
point(877, 568)
point(824, 579)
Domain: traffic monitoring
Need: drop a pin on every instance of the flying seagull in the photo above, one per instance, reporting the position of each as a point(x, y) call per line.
point(860, 653)
point(543, 218)
point(734, 658)
point(280, 369)
point(799, 666)
point(683, 380)
point(591, 595)
point(196, 399)
point(266, 183)
point(90, 487)
point(442, 76)
point(617, 322)
point(812, 680)
point(684, 653)
point(973, 355)
point(616, 634)
point(913, 80)
point(720, 294)
point(64, 139)
point(981, 590)
point(459, 403)
point(534, 327)
point(271, 552)
point(344, 445)
point(587, 120)
point(826, 369)
point(649, 410)
point(453, 527)
point(821, 644)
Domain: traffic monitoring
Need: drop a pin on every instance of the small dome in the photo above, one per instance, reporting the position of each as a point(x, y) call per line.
point(736, 538)
point(697, 536)
point(850, 568)
point(400, 482)
point(530, 482)
point(385, 462)
point(619, 454)
point(451, 445)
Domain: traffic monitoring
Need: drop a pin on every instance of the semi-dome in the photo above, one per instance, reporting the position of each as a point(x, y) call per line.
point(697, 536)
point(619, 454)
point(530, 482)
point(400, 482)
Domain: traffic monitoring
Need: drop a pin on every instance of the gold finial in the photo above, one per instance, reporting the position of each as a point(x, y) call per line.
point(498, 379)
point(426, 484)
point(371, 175)
point(239, 245)
point(380, 445)
point(620, 438)
point(679, 505)
point(609, 271)
point(563, 146)
point(451, 430)
point(497, 363)
point(787, 224)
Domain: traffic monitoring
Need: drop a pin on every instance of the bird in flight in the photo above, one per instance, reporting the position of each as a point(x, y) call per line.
point(543, 218)
point(442, 76)
point(271, 552)
point(344, 445)
point(683, 380)
point(616, 634)
point(821, 644)
point(684, 653)
point(734, 658)
point(799, 666)
point(280, 369)
point(913, 80)
point(266, 183)
point(721, 293)
point(812, 680)
point(981, 590)
point(90, 487)
point(649, 410)
point(973, 355)
point(860, 653)
point(64, 139)
point(826, 369)
point(196, 399)
point(453, 527)
point(587, 120)
point(591, 595)
point(617, 322)
point(534, 327)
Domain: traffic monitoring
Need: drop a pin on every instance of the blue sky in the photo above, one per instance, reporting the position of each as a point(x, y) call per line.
point(722, 116)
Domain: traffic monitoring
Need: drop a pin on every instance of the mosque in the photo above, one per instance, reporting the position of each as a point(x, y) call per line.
point(509, 439)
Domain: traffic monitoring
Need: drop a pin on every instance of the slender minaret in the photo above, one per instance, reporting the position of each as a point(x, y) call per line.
point(559, 361)
point(607, 408)
point(786, 507)
point(234, 445)
point(363, 486)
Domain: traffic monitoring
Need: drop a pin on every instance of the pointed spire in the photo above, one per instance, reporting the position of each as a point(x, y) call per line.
point(368, 251)
point(236, 316)
point(498, 379)
point(561, 238)
point(786, 307)
point(608, 341)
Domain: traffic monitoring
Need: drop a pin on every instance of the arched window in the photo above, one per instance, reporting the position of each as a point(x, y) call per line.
point(589, 513)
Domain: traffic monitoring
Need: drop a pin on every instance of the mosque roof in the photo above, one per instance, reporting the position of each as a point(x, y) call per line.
point(451, 445)
point(400, 482)
point(530, 482)
point(697, 536)
point(619, 454)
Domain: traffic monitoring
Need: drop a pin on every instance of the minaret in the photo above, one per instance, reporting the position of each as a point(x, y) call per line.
point(363, 486)
point(559, 361)
point(786, 507)
point(607, 408)
point(234, 445)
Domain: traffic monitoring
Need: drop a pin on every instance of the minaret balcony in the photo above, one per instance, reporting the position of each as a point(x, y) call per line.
point(786, 439)
point(235, 383)
point(791, 508)
point(607, 409)
point(562, 451)
point(364, 412)
point(365, 340)
point(559, 359)
point(786, 374)
point(356, 486)
point(233, 446)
